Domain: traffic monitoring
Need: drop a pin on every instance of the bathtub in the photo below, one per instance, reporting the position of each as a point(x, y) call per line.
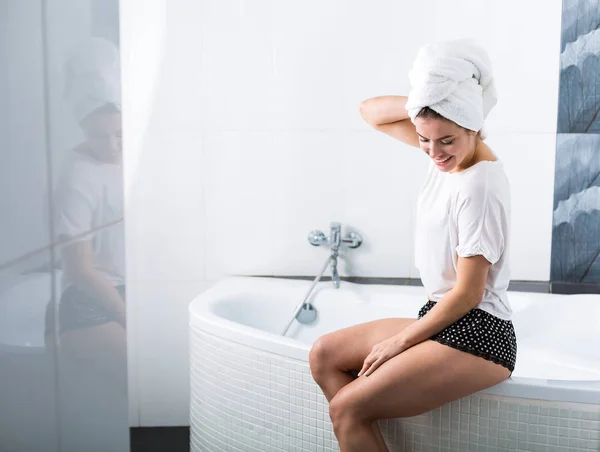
point(22, 314)
point(27, 372)
point(251, 388)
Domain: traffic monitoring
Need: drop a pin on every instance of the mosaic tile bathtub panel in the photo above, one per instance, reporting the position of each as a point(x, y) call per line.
point(248, 400)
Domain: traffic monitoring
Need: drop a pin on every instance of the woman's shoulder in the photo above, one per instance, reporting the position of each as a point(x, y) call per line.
point(80, 172)
point(482, 174)
point(483, 181)
point(80, 164)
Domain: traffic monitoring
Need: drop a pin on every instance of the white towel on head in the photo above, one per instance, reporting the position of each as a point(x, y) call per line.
point(453, 78)
point(93, 77)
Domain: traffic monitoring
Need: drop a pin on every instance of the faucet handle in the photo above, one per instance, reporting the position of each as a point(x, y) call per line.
point(317, 238)
point(352, 240)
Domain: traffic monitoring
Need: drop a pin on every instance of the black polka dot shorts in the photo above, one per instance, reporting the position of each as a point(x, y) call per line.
point(481, 334)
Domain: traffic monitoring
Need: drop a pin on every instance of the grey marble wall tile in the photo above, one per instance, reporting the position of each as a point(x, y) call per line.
point(577, 165)
point(579, 17)
point(579, 96)
point(579, 93)
point(576, 219)
point(575, 250)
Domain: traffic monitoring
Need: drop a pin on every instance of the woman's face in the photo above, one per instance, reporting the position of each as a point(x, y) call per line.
point(450, 146)
point(103, 133)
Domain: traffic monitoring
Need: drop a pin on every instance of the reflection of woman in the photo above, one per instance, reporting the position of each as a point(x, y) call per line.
point(88, 214)
point(463, 340)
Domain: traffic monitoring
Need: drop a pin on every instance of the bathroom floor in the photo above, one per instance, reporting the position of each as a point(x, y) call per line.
point(160, 439)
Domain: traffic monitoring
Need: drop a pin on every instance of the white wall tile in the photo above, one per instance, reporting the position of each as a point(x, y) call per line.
point(238, 75)
point(164, 217)
point(457, 19)
point(529, 163)
point(161, 346)
point(390, 24)
point(163, 146)
point(242, 185)
point(309, 196)
point(344, 54)
point(309, 88)
point(381, 178)
point(525, 52)
point(309, 25)
point(161, 65)
point(142, 52)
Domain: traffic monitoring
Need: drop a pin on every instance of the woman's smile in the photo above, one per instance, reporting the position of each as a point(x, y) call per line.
point(443, 162)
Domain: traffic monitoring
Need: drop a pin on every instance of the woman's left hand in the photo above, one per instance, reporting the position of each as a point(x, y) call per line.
point(380, 353)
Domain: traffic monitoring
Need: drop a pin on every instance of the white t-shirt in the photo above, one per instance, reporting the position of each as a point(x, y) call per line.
point(464, 214)
point(89, 206)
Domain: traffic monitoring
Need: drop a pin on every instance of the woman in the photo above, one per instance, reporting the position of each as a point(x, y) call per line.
point(462, 340)
point(88, 215)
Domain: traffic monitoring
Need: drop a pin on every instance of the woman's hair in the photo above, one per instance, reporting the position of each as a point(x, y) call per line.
point(428, 113)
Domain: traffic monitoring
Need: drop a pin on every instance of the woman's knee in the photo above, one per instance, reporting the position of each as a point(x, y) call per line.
point(320, 357)
point(345, 410)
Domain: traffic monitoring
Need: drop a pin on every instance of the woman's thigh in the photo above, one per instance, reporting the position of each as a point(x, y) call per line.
point(100, 349)
point(418, 380)
point(346, 349)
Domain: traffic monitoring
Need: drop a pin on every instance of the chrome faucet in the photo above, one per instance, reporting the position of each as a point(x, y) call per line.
point(305, 312)
point(335, 236)
point(335, 276)
point(335, 241)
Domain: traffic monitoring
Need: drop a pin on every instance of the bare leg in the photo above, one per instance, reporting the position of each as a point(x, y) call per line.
point(418, 380)
point(334, 355)
point(100, 351)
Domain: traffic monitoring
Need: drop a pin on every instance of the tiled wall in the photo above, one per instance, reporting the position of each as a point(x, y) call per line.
point(164, 199)
point(253, 401)
point(576, 225)
point(297, 154)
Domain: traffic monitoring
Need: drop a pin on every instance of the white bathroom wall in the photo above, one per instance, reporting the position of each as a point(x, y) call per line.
point(289, 136)
point(164, 209)
point(288, 130)
point(242, 133)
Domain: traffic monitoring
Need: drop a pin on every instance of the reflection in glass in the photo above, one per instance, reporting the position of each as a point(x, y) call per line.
point(89, 324)
point(28, 396)
point(28, 421)
point(63, 373)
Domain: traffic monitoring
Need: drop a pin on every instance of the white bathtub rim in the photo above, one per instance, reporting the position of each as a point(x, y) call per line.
point(201, 318)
